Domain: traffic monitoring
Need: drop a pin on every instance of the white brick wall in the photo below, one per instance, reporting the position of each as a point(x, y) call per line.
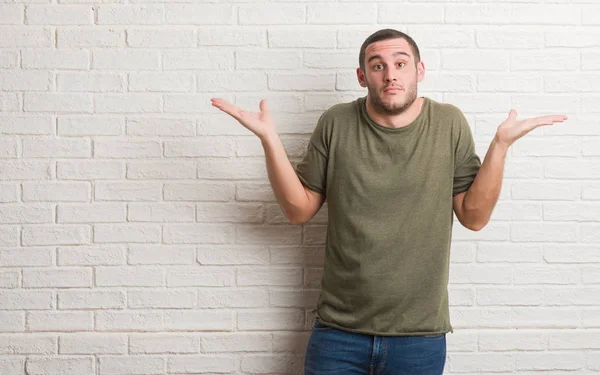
point(138, 230)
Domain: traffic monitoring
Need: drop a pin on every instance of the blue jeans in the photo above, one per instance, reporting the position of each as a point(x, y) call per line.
point(332, 351)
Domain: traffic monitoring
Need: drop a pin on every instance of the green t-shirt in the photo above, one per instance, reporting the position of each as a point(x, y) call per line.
point(389, 199)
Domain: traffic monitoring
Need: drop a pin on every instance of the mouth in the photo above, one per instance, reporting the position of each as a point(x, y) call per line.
point(393, 89)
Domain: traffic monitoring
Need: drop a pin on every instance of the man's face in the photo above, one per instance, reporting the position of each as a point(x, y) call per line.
point(391, 75)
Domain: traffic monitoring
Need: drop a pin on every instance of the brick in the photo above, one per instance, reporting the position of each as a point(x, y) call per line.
point(307, 37)
point(25, 170)
point(199, 191)
point(513, 82)
point(414, 13)
point(89, 125)
point(153, 299)
point(26, 37)
point(57, 278)
point(90, 299)
point(125, 60)
point(9, 192)
point(91, 256)
point(272, 14)
point(204, 363)
point(161, 38)
point(22, 299)
point(89, 37)
point(56, 235)
point(475, 60)
point(160, 343)
point(130, 14)
point(273, 363)
point(226, 255)
point(115, 233)
point(231, 36)
point(238, 213)
point(207, 146)
point(127, 103)
point(32, 257)
point(11, 322)
point(56, 191)
point(199, 320)
point(128, 321)
point(55, 102)
point(197, 234)
point(83, 366)
point(199, 14)
point(239, 298)
point(28, 214)
point(545, 14)
point(161, 170)
point(9, 280)
point(501, 38)
point(91, 213)
point(236, 342)
point(26, 81)
point(351, 13)
point(9, 59)
point(302, 82)
point(163, 212)
point(90, 169)
point(11, 14)
point(280, 60)
point(270, 320)
point(45, 147)
point(129, 276)
point(217, 81)
point(203, 276)
point(508, 252)
point(127, 191)
point(85, 343)
point(59, 15)
point(163, 82)
point(38, 321)
point(190, 59)
point(28, 344)
point(123, 149)
point(475, 14)
point(154, 126)
point(547, 232)
point(161, 254)
point(90, 82)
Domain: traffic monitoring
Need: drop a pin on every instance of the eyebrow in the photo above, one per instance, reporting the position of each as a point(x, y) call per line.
point(379, 56)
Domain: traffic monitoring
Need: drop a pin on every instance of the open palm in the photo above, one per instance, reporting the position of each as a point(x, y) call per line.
point(259, 123)
point(510, 129)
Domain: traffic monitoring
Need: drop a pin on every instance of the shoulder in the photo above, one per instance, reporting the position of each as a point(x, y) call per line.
point(341, 113)
point(446, 110)
point(341, 110)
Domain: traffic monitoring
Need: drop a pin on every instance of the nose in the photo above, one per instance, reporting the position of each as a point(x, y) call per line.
point(389, 76)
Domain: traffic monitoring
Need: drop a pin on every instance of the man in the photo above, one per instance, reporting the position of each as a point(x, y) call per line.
point(394, 168)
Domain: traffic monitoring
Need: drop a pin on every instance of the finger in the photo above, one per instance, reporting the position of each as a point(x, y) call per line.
point(263, 107)
point(227, 107)
point(512, 115)
point(548, 120)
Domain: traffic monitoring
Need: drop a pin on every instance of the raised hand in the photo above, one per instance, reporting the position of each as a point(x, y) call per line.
point(510, 130)
point(259, 123)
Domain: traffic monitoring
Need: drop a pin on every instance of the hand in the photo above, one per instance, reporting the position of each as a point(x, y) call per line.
point(510, 130)
point(259, 123)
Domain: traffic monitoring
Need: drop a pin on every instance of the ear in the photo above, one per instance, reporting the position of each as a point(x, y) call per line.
point(361, 77)
point(420, 71)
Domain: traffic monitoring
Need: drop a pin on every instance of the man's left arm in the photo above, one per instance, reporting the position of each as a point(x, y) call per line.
point(474, 207)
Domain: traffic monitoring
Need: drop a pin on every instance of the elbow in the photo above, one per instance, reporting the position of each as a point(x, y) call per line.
point(295, 220)
point(476, 227)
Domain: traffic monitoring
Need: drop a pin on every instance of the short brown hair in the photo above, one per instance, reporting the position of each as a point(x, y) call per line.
point(385, 34)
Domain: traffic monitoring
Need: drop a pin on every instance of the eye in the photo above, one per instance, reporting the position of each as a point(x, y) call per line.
point(377, 67)
point(401, 64)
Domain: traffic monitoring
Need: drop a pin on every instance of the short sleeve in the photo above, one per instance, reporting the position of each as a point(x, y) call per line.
point(466, 161)
point(312, 170)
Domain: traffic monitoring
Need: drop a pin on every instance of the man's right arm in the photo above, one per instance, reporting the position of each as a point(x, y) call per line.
point(298, 202)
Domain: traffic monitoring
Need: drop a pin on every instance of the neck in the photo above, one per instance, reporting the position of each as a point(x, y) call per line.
point(396, 121)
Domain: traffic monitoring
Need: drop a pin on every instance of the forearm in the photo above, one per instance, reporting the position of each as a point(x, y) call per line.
point(483, 194)
point(286, 185)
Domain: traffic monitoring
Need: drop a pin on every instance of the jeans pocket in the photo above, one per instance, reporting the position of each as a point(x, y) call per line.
point(320, 327)
point(433, 337)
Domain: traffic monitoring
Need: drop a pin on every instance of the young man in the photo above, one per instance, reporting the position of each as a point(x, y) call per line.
point(394, 167)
